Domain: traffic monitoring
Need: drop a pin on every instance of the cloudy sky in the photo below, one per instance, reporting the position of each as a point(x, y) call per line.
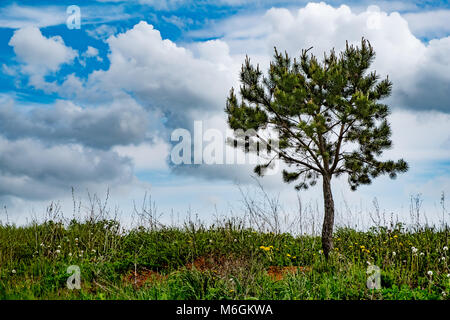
point(93, 108)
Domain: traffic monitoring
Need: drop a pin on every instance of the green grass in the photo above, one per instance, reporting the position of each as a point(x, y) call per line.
point(34, 260)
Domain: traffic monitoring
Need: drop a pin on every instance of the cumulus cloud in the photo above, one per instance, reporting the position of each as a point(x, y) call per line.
point(102, 127)
point(30, 169)
point(419, 70)
point(162, 76)
point(40, 54)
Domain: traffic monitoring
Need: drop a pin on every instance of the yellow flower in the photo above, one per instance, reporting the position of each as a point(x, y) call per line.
point(395, 237)
point(362, 247)
point(288, 255)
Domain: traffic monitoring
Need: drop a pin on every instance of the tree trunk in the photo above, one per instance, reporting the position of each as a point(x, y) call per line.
point(328, 220)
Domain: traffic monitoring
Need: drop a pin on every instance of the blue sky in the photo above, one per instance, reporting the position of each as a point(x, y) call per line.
point(93, 108)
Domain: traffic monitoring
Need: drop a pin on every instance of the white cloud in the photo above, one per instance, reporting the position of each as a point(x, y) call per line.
point(39, 54)
point(15, 16)
point(429, 24)
point(146, 156)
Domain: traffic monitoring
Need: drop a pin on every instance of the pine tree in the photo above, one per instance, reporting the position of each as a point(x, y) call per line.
point(328, 115)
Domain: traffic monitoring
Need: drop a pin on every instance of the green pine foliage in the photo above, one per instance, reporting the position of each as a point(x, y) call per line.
point(328, 114)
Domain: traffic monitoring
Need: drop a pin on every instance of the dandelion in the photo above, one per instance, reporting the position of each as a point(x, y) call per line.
point(395, 237)
point(362, 247)
point(430, 273)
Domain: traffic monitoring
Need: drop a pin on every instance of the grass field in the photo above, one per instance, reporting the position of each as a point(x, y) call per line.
point(223, 261)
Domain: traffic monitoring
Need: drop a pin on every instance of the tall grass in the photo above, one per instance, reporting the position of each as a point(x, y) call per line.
point(230, 258)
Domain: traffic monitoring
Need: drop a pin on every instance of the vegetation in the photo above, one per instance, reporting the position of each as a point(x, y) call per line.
point(329, 118)
point(222, 261)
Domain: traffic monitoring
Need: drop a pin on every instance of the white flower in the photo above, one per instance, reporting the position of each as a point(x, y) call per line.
point(414, 250)
point(235, 240)
point(448, 275)
point(58, 251)
point(430, 273)
point(210, 241)
point(59, 246)
point(394, 253)
point(93, 250)
point(70, 254)
point(443, 258)
point(422, 253)
point(76, 239)
point(445, 248)
point(42, 245)
point(320, 251)
point(13, 271)
point(443, 293)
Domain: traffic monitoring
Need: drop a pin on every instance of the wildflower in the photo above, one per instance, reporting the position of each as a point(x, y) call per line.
point(443, 293)
point(235, 240)
point(362, 247)
point(288, 255)
point(320, 251)
point(430, 273)
point(210, 241)
point(394, 253)
point(442, 258)
point(445, 248)
point(13, 271)
point(395, 236)
point(414, 250)
point(58, 251)
point(422, 254)
point(448, 275)
point(76, 239)
point(70, 254)
point(59, 246)
point(42, 245)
